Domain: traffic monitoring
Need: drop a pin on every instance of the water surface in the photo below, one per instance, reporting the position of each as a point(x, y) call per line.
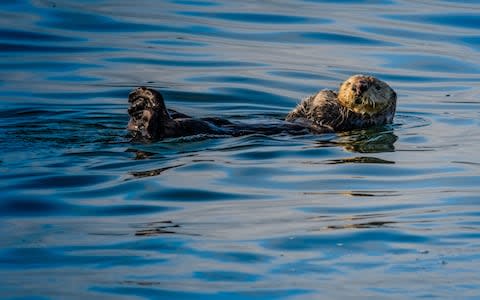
point(388, 212)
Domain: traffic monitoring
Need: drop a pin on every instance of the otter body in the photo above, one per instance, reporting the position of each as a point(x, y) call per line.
point(361, 102)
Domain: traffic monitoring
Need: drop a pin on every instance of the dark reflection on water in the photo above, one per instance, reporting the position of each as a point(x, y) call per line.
point(389, 212)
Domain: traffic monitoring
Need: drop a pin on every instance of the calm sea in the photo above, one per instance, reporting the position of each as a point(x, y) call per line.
point(387, 213)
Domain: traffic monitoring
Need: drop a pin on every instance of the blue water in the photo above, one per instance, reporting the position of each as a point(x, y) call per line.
point(374, 214)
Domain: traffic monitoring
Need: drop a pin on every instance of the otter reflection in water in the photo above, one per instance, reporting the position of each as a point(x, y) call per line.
point(362, 101)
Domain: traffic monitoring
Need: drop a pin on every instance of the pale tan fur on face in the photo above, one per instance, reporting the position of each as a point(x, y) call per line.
point(366, 94)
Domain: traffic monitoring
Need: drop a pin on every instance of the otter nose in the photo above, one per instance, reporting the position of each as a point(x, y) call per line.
point(360, 87)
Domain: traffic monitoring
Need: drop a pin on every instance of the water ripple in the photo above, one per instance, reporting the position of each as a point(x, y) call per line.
point(220, 217)
point(85, 22)
point(470, 20)
point(254, 17)
point(27, 36)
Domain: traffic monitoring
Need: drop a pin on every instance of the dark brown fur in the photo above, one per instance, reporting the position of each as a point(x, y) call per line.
point(328, 115)
point(363, 101)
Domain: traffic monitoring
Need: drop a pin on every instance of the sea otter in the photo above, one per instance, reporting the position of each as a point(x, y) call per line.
point(362, 101)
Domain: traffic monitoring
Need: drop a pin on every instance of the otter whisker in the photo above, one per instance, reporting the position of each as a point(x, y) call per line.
point(356, 105)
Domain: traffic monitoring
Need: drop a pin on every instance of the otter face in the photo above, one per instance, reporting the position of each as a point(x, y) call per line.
point(147, 112)
point(366, 95)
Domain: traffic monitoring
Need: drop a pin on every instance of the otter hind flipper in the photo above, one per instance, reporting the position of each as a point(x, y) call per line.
point(148, 113)
point(361, 101)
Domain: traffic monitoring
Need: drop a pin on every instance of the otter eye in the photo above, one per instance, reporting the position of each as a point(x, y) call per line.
point(358, 101)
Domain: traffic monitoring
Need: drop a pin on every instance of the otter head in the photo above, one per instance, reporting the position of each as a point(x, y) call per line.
point(366, 95)
point(147, 113)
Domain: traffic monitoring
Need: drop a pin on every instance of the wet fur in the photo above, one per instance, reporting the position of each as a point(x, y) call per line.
point(362, 101)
